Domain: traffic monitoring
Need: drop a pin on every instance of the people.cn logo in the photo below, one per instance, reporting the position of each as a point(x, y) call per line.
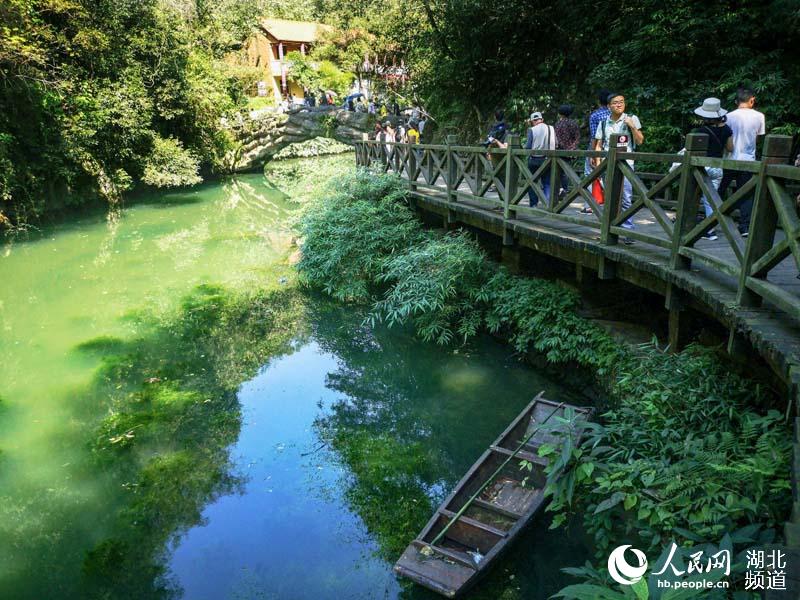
point(621, 571)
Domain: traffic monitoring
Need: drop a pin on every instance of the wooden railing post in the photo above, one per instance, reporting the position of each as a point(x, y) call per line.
point(384, 154)
point(429, 168)
point(764, 220)
point(362, 157)
point(450, 161)
point(555, 182)
point(411, 167)
point(396, 159)
point(613, 190)
point(688, 195)
point(512, 173)
point(479, 171)
point(511, 185)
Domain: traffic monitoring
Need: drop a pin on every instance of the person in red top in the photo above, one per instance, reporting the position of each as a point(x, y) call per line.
point(568, 135)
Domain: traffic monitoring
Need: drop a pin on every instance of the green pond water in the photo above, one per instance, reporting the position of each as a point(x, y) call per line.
point(290, 484)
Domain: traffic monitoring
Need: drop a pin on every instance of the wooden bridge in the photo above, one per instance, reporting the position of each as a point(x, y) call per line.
point(750, 285)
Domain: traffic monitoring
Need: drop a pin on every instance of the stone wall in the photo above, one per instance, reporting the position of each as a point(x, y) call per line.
point(266, 132)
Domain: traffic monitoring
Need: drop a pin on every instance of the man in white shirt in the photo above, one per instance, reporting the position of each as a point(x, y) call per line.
point(540, 137)
point(747, 124)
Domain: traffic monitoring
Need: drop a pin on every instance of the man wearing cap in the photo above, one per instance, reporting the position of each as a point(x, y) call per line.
point(618, 121)
point(747, 124)
point(540, 137)
point(719, 140)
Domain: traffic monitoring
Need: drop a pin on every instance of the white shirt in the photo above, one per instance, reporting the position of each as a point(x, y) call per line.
point(604, 131)
point(541, 137)
point(746, 124)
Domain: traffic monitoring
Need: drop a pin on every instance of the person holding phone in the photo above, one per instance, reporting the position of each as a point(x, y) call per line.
point(618, 121)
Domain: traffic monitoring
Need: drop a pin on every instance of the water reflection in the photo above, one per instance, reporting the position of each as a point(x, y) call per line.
point(135, 463)
point(90, 279)
point(348, 444)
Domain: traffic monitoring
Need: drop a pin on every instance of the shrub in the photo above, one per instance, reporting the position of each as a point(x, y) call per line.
point(437, 284)
point(682, 455)
point(170, 165)
point(349, 234)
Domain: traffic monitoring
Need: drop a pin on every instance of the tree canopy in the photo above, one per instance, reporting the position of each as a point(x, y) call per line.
point(89, 91)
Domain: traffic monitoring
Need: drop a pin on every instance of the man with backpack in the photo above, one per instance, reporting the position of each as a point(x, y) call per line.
point(496, 137)
point(498, 130)
point(618, 121)
point(540, 137)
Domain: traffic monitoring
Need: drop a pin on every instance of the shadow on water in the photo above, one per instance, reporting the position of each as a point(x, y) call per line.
point(269, 445)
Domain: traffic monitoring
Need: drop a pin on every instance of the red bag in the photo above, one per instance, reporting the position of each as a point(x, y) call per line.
point(597, 191)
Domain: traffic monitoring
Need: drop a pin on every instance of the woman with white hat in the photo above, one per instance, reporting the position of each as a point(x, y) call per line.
point(720, 140)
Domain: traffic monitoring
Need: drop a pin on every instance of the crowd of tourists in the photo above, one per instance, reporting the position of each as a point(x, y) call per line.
point(407, 126)
point(730, 135)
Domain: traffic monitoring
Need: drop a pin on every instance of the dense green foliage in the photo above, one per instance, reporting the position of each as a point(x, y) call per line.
point(319, 146)
point(97, 96)
point(303, 179)
point(348, 236)
point(689, 450)
point(361, 243)
point(684, 455)
point(318, 74)
point(90, 93)
point(666, 57)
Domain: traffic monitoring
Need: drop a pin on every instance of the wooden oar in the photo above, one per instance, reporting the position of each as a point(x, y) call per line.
point(522, 444)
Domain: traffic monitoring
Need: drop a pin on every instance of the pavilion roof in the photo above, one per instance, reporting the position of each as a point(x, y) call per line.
point(283, 30)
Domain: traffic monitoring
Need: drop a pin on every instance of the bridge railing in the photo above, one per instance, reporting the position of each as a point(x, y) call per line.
point(513, 181)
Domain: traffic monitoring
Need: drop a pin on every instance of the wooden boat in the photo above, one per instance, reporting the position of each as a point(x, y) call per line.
point(497, 508)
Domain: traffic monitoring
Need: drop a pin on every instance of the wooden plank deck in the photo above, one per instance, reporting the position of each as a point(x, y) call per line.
point(767, 328)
